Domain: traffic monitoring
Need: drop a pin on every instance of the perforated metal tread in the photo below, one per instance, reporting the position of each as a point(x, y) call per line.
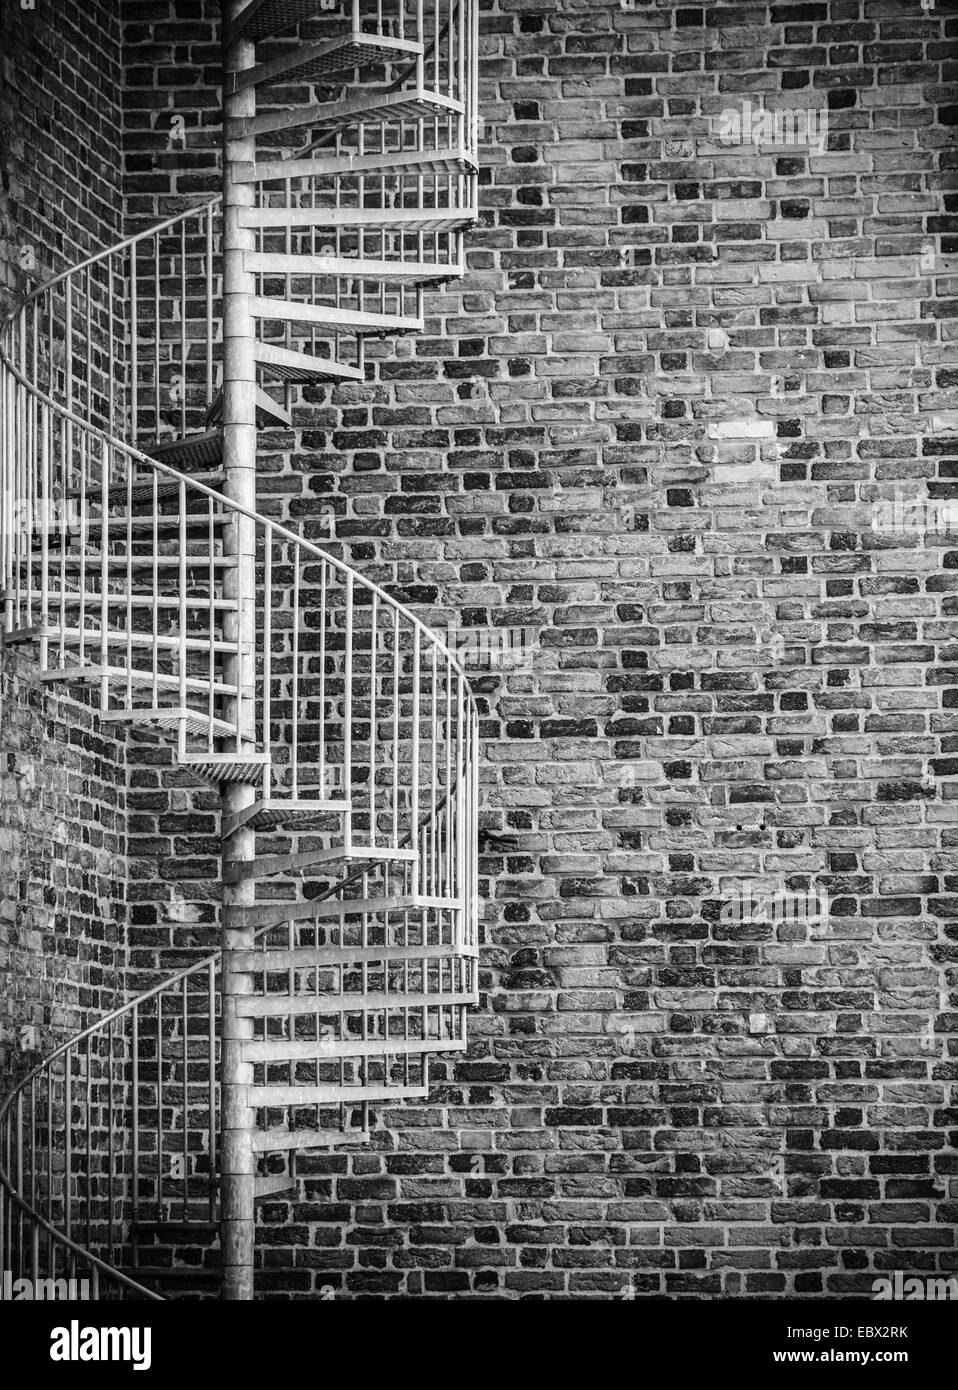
point(316, 61)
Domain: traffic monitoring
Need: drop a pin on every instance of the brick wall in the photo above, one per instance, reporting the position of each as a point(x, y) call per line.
point(654, 425)
point(62, 836)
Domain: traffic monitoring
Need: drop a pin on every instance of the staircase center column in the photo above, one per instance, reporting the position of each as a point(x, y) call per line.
point(237, 1166)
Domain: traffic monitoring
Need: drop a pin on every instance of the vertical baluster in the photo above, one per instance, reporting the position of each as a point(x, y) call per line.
point(294, 717)
point(156, 336)
point(323, 620)
point(129, 581)
point(414, 763)
point(84, 452)
point(68, 1140)
point(433, 761)
point(267, 650)
point(374, 622)
point(211, 579)
point(181, 498)
point(396, 711)
point(159, 1107)
point(348, 717)
point(88, 346)
point(211, 1081)
point(104, 572)
point(111, 1139)
point(135, 1142)
point(447, 732)
point(183, 313)
point(420, 38)
point(89, 1139)
point(112, 385)
point(209, 306)
point(47, 513)
point(134, 348)
point(185, 1025)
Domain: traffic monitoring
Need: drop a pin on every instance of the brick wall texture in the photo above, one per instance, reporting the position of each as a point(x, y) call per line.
point(62, 778)
point(661, 424)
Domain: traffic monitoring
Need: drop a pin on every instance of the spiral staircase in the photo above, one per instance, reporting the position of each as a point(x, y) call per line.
point(339, 731)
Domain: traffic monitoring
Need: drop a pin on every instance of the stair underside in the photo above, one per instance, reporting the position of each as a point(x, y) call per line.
point(315, 61)
point(449, 159)
point(263, 17)
point(263, 815)
point(269, 415)
point(263, 866)
point(303, 368)
point(193, 451)
point(329, 319)
point(338, 115)
point(275, 1140)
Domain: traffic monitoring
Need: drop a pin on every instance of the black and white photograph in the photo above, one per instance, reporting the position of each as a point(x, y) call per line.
point(478, 676)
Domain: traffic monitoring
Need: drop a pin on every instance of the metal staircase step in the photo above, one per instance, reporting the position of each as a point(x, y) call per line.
point(193, 451)
point(269, 414)
point(286, 1005)
point(263, 866)
point(450, 159)
point(117, 524)
point(267, 1097)
point(375, 105)
point(276, 811)
point(145, 489)
point(278, 1050)
point(330, 319)
point(277, 914)
point(115, 637)
point(271, 1184)
point(346, 267)
point(262, 17)
point(275, 1140)
point(169, 717)
point(313, 61)
point(226, 767)
point(194, 603)
point(258, 962)
point(303, 367)
point(372, 219)
point(92, 562)
point(126, 676)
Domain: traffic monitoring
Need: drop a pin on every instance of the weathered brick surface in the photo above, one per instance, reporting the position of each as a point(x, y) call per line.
point(652, 424)
point(62, 778)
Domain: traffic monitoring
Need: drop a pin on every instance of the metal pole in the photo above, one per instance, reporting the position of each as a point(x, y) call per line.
point(237, 1181)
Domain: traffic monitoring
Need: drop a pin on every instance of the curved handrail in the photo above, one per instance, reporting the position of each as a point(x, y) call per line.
point(99, 256)
point(137, 456)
